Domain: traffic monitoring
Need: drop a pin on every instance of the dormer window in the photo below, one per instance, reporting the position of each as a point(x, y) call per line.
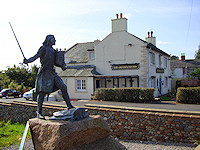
point(91, 54)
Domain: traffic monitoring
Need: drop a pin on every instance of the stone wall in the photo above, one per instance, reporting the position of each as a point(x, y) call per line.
point(22, 112)
point(150, 126)
point(124, 124)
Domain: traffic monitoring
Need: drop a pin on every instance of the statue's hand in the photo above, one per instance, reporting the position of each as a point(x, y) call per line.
point(64, 67)
point(25, 61)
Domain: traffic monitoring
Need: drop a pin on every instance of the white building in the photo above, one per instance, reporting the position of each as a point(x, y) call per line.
point(119, 60)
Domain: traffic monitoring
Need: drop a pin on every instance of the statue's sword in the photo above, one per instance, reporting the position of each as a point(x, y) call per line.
point(17, 41)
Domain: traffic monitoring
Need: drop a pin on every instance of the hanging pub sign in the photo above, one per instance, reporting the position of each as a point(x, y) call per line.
point(159, 70)
point(125, 66)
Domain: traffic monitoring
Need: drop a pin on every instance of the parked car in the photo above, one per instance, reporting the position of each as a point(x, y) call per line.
point(9, 92)
point(29, 95)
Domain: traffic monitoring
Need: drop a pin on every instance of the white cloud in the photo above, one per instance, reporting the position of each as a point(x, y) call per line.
point(162, 43)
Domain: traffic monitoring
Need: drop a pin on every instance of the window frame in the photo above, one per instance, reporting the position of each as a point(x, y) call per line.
point(81, 86)
point(165, 62)
point(152, 58)
point(91, 55)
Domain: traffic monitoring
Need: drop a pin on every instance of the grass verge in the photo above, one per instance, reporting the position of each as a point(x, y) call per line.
point(11, 133)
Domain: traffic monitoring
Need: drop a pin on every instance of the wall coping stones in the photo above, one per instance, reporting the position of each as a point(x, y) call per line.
point(149, 110)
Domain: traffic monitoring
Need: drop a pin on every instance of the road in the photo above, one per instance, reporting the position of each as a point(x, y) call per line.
point(164, 105)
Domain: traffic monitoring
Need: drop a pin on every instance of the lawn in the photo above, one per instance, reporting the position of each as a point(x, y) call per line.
point(11, 133)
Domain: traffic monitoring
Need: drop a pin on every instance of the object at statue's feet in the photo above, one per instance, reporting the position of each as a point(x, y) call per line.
point(72, 114)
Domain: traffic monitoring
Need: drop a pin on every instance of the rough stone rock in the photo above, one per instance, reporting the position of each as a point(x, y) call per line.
point(61, 135)
point(107, 143)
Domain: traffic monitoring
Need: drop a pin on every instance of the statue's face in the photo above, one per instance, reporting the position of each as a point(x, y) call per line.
point(53, 40)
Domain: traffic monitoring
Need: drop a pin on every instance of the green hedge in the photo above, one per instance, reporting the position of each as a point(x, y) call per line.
point(125, 94)
point(188, 95)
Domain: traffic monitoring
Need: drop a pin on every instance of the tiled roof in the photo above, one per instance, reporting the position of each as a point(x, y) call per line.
point(79, 71)
point(191, 63)
point(79, 52)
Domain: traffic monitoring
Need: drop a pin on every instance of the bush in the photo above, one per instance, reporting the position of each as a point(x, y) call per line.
point(125, 94)
point(147, 94)
point(188, 95)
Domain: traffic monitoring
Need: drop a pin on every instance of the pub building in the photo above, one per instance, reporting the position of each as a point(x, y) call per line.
point(121, 59)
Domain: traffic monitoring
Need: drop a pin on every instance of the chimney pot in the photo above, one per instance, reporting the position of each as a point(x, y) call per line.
point(117, 16)
point(182, 56)
point(148, 34)
point(151, 33)
point(120, 15)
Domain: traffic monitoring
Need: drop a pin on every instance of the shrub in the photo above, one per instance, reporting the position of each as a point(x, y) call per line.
point(147, 94)
point(188, 95)
point(128, 94)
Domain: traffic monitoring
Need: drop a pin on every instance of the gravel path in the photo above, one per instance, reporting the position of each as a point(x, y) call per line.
point(130, 145)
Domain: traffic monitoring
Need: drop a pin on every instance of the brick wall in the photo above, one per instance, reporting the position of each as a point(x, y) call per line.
point(124, 124)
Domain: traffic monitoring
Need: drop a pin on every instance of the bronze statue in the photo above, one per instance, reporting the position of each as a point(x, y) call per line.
point(47, 80)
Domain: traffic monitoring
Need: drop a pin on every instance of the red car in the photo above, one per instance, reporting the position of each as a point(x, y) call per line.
point(9, 92)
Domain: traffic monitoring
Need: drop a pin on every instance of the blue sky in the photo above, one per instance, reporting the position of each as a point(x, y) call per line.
point(175, 23)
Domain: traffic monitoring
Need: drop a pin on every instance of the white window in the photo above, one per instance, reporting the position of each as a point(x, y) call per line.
point(80, 85)
point(152, 58)
point(153, 82)
point(165, 62)
point(91, 55)
point(165, 81)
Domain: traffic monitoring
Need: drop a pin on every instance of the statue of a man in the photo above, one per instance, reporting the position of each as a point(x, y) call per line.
point(47, 80)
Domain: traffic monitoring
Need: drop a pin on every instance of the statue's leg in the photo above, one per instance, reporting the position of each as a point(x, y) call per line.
point(39, 107)
point(60, 84)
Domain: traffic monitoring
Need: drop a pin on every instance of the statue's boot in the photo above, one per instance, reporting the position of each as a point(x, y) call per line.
point(39, 107)
point(40, 115)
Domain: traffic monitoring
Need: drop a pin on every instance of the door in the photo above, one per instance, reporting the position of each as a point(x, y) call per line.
point(98, 84)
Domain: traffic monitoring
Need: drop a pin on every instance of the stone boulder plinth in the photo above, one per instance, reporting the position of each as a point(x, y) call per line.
point(62, 135)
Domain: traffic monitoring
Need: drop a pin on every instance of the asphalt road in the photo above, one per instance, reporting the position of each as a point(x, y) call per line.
point(164, 105)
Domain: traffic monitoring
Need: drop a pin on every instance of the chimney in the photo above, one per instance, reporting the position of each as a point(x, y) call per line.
point(182, 56)
point(119, 24)
point(151, 39)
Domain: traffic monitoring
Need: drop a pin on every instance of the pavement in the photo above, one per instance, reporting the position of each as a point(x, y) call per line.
point(158, 106)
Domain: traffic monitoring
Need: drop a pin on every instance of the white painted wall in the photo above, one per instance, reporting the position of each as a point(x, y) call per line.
point(71, 87)
point(115, 49)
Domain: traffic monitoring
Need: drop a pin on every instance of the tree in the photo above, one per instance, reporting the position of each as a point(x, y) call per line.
point(20, 75)
point(197, 55)
point(195, 74)
point(173, 57)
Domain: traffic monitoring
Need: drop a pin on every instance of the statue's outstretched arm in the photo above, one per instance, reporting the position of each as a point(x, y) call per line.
point(37, 55)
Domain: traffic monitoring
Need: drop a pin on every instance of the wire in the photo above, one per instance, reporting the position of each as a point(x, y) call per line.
point(187, 35)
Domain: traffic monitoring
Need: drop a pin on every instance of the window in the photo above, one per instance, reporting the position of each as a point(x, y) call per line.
point(91, 55)
point(160, 62)
point(165, 81)
point(152, 58)
point(80, 85)
point(153, 82)
point(165, 62)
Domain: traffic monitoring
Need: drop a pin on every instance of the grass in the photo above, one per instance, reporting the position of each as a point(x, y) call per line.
point(165, 98)
point(11, 133)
